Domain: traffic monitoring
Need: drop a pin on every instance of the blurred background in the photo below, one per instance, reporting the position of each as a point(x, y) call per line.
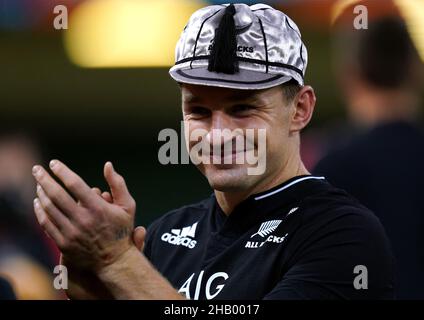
point(100, 91)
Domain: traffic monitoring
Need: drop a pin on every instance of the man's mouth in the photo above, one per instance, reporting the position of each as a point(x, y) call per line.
point(228, 156)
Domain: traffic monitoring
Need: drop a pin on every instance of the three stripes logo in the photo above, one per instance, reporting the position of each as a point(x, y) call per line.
point(267, 228)
point(189, 231)
point(181, 237)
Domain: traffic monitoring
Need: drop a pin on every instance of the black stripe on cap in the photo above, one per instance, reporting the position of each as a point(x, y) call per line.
point(200, 31)
point(243, 59)
point(182, 73)
point(266, 47)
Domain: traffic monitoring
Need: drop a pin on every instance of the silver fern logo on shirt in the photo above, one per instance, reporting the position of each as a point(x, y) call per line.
point(265, 231)
point(267, 228)
point(181, 237)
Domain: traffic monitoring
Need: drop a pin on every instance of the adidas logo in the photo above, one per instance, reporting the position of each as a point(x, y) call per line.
point(185, 232)
point(267, 227)
point(181, 237)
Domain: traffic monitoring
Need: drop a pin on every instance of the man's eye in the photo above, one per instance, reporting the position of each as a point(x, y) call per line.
point(199, 111)
point(241, 108)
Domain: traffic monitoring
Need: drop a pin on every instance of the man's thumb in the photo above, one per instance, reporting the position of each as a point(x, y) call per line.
point(118, 188)
point(139, 236)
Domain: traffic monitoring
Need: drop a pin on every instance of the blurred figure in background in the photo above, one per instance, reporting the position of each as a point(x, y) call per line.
point(379, 73)
point(6, 291)
point(27, 258)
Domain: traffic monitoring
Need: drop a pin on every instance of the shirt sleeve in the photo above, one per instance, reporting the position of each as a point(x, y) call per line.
point(150, 236)
point(346, 256)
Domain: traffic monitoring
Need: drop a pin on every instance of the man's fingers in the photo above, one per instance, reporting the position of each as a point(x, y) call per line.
point(97, 191)
point(120, 193)
point(73, 182)
point(48, 226)
point(139, 236)
point(55, 215)
point(107, 196)
point(54, 191)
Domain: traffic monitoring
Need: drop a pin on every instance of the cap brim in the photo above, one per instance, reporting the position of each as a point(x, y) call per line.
point(243, 79)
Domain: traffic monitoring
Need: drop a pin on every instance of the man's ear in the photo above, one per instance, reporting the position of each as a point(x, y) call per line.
point(304, 104)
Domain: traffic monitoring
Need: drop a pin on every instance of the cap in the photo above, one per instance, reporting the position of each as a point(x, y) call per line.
point(241, 47)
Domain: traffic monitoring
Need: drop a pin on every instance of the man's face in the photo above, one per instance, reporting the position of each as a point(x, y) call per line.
point(210, 110)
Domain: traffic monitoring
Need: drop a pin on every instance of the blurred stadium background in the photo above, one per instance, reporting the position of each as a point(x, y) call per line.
point(100, 90)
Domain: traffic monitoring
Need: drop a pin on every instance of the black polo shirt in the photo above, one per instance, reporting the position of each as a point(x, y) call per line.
point(383, 168)
point(303, 239)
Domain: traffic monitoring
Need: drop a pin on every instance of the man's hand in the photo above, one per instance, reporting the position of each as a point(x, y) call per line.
point(84, 284)
point(93, 230)
point(90, 231)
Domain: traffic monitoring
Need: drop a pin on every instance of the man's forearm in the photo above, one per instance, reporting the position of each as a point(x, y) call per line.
point(133, 277)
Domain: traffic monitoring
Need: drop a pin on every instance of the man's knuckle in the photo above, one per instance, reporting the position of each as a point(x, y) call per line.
point(72, 237)
point(87, 222)
point(54, 195)
point(97, 207)
point(49, 206)
point(73, 183)
point(43, 221)
point(132, 204)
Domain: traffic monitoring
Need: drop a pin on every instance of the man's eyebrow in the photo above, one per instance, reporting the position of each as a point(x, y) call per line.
point(251, 99)
point(244, 95)
point(191, 99)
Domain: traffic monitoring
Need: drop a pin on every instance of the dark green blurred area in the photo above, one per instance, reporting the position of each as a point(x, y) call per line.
point(88, 116)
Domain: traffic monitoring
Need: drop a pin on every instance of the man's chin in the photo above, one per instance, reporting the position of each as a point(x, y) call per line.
point(228, 179)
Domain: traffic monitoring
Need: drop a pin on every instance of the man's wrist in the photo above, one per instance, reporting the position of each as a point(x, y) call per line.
point(118, 268)
point(116, 276)
point(133, 277)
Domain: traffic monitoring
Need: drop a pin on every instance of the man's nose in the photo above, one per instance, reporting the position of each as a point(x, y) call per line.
point(220, 121)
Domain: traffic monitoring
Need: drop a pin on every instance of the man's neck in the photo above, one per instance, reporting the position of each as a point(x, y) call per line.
point(229, 200)
point(371, 107)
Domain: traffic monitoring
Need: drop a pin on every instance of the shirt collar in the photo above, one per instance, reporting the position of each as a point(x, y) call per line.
point(258, 207)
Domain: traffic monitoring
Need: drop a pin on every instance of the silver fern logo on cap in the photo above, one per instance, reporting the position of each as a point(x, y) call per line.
point(267, 228)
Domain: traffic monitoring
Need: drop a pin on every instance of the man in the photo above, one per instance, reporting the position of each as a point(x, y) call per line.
point(6, 291)
point(25, 256)
point(382, 164)
point(283, 234)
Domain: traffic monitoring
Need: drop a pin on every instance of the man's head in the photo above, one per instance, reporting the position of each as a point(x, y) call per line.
point(279, 112)
point(241, 72)
point(378, 69)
